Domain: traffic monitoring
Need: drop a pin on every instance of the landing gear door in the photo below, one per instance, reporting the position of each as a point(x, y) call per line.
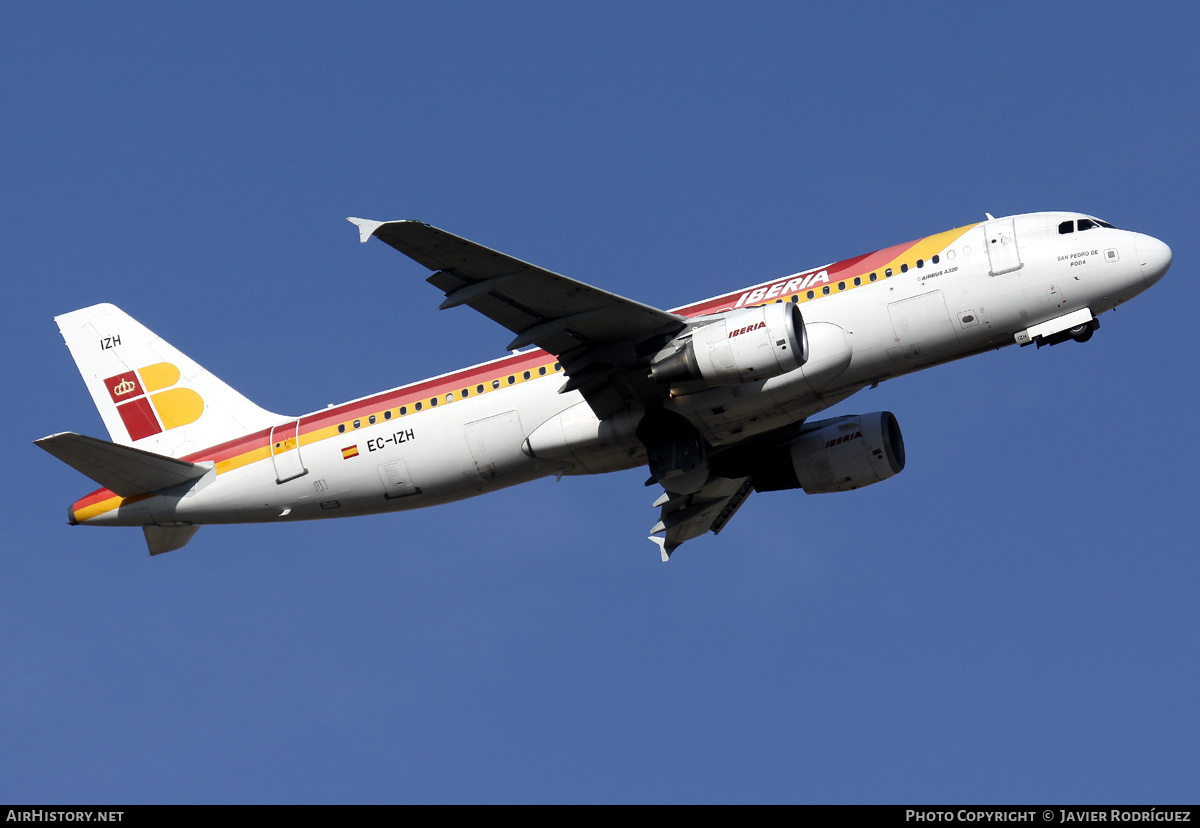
point(285, 452)
point(1003, 255)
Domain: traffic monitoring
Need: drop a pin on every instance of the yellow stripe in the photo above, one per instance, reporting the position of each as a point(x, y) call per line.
point(252, 456)
point(921, 249)
point(103, 506)
point(927, 247)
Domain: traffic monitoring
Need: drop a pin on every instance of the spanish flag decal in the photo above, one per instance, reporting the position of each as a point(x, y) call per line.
point(349, 451)
point(146, 412)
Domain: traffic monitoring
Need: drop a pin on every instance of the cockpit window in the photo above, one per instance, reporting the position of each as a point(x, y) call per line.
point(1084, 224)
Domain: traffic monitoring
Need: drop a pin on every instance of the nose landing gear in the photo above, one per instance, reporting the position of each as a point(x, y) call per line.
point(1080, 333)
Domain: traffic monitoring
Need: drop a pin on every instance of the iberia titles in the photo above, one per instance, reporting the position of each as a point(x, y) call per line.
point(793, 284)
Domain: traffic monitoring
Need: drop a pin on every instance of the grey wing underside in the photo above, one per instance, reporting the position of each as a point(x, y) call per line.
point(688, 516)
point(603, 341)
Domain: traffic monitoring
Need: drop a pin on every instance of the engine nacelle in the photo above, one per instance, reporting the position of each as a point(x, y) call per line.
point(836, 456)
point(739, 346)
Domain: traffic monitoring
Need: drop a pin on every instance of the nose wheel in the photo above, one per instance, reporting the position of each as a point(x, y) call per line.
point(1082, 333)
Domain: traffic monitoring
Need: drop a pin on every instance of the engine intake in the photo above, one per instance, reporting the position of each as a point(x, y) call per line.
point(836, 455)
point(739, 346)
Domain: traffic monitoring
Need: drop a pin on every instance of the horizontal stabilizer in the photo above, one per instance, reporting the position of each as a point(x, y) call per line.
point(162, 539)
point(120, 469)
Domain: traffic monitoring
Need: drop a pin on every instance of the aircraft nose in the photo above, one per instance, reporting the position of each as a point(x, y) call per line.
point(1154, 256)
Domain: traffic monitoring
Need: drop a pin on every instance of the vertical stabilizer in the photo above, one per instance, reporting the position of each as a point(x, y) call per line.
point(150, 395)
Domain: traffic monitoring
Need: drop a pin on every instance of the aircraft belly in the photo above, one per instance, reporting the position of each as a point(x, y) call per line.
point(419, 460)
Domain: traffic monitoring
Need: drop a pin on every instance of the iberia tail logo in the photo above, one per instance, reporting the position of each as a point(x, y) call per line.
point(147, 402)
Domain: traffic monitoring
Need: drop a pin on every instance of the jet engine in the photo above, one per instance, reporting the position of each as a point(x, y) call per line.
point(739, 346)
point(835, 456)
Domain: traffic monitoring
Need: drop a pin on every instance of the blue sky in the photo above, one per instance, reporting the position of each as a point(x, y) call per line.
point(1012, 619)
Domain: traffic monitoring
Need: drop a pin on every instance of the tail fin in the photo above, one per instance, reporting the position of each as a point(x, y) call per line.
point(150, 395)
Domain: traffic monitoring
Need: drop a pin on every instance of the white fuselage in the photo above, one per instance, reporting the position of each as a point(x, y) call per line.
point(980, 290)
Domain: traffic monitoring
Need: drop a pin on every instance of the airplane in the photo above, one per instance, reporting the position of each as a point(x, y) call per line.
point(716, 398)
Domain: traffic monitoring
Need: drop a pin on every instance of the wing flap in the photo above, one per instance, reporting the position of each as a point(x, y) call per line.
point(122, 470)
point(688, 516)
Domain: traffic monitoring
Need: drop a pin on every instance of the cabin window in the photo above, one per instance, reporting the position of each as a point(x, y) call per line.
point(432, 402)
point(795, 298)
point(387, 415)
point(357, 423)
point(525, 375)
point(478, 389)
point(403, 410)
point(466, 392)
point(341, 428)
point(371, 419)
point(825, 290)
point(511, 379)
point(495, 384)
point(857, 281)
point(841, 285)
point(872, 277)
point(935, 258)
point(557, 367)
point(920, 263)
point(542, 371)
point(450, 397)
point(904, 268)
point(887, 273)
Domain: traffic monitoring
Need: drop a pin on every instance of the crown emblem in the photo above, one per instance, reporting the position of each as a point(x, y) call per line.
point(122, 388)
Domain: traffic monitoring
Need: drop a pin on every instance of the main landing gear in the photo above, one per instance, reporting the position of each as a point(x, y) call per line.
point(677, 453)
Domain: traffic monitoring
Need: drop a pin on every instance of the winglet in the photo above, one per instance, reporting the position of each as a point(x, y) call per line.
point(366, 227)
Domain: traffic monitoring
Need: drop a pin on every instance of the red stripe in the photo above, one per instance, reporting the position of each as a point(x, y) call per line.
point(861, 263)
point(514, 365)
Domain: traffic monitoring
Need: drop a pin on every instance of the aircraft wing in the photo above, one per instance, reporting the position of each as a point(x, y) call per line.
point(603, 341)
point(688, 516)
